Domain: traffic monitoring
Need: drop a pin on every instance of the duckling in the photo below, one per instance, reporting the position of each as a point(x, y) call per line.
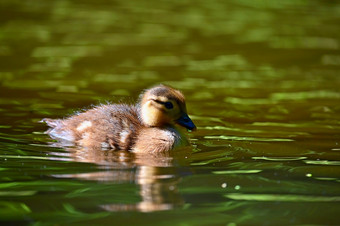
point(148, 126)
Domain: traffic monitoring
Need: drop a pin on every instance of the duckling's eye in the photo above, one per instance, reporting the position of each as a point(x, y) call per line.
point(168, 105)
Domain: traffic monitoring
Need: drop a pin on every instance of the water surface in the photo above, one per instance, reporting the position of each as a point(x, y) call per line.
point(261, 80)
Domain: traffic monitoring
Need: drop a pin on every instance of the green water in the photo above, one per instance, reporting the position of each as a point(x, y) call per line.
point(261, 79)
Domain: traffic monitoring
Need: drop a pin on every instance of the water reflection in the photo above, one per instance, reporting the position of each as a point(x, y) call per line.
point(156, 176)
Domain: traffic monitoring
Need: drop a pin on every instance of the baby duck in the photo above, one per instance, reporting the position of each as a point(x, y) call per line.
point(148, 126)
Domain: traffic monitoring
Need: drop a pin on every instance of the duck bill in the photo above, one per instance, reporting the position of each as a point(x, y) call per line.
point(186, 122)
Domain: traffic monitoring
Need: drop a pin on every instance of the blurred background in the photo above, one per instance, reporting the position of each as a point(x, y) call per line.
point(261, 80)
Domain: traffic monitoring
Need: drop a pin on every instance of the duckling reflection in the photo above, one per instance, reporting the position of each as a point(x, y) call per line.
point(147, 127)
point(155, 175)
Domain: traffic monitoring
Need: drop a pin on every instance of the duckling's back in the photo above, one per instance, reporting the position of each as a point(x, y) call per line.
point(107, 126)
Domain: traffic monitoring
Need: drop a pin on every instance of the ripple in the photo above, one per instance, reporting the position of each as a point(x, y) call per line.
point(304, 42)
point(206, 162)
point(282, 198)
point(317, 94)
point(323, 162)
point(17, 193)
point(243, 101)
point(279, 158)
point(231, 129)
point(326, 178)
point(304, 126)
point(13, 208)
point(237, 172)
point(255, 131)
point(222, 137)
point(67, 51)
point(32, 157)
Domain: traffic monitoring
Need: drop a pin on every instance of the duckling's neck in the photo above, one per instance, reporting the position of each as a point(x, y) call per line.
point(152, 117)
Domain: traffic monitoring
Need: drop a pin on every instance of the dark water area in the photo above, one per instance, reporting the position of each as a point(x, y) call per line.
point(261, 80)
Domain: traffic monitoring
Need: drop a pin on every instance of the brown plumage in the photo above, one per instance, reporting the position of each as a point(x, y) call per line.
point(148, 126)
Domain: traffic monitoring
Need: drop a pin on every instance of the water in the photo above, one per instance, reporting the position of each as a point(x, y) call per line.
point(261, 80)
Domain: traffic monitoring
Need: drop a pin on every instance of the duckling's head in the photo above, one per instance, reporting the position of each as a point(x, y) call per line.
point(162, 105)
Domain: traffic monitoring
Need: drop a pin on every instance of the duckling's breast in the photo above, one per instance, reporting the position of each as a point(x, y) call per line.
point(156, 139)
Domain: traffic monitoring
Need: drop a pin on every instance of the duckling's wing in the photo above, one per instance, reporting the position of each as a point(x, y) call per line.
point(108, 126)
